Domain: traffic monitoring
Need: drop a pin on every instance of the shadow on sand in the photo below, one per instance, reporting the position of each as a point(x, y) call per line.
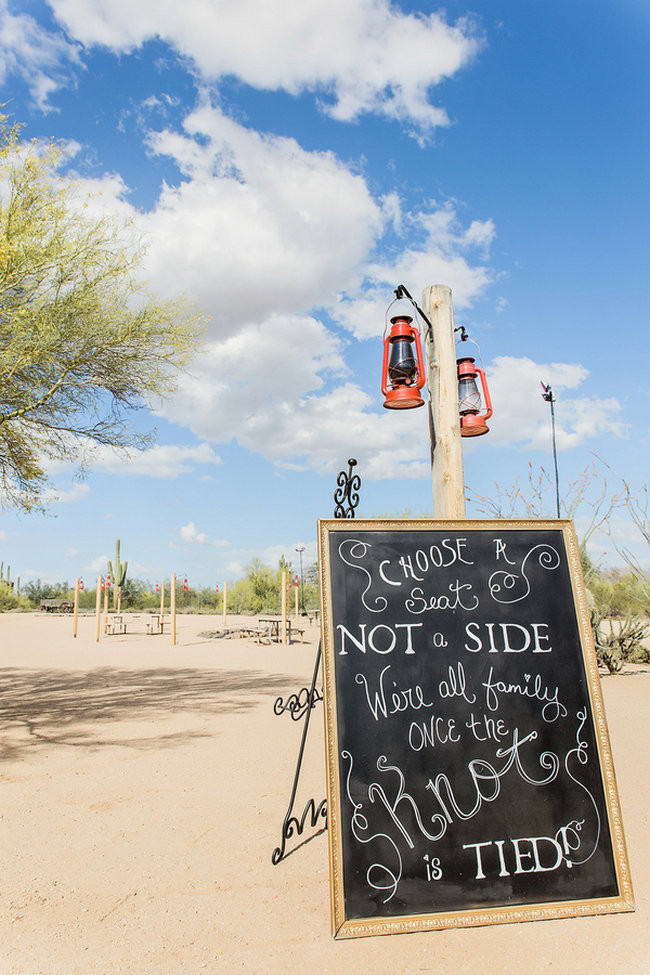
point(74, 707)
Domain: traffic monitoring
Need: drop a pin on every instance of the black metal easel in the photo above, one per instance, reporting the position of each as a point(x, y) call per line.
point(300, 705)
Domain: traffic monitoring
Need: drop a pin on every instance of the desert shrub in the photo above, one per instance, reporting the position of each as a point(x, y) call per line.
point(619, 642)
point(10, 600)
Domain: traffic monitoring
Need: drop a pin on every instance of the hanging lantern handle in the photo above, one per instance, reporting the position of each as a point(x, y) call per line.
point(486, 393)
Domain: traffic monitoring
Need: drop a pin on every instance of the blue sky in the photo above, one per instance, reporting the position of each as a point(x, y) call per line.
point(289, 170)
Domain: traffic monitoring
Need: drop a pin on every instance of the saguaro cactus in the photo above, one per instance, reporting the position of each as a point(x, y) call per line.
point(117, 574)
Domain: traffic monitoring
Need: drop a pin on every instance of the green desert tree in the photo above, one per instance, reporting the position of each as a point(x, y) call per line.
point(82, 344)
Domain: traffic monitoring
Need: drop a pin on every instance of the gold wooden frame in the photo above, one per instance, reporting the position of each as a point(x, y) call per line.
point(343, 927)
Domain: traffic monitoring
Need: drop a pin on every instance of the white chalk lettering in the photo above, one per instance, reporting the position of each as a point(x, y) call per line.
point(384, 576)
point(527, 856)
point(386, 702)
point(455, 685)
point(526, 687)
point(381, 638)
point(418, 602)
point(437, 729)
point(509, 638)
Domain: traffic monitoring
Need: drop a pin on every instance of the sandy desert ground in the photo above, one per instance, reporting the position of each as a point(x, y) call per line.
point(142, 792)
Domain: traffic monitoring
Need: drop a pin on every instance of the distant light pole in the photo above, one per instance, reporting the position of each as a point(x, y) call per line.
point(302, 588)
point(547, 396)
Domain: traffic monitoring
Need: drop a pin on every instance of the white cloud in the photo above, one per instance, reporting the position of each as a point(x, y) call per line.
point(40, 58)
point(190, 536)
point(161, 461)
point(99, 564)
point(254, 377)
point(522, 417)
point(259, 225)
point(261, 232)
point(58, 496)
point(358, 56)
point(440, 252)
point(165, 461)
point(293, 426)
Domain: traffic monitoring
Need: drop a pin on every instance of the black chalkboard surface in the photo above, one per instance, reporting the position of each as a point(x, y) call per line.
point(469, 772)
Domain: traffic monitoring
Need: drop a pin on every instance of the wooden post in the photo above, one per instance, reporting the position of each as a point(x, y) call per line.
point(98, 605)
point(444, 425)
point(284, 609)
point(106, 588)
point(162, 606)
point(295, 589)
point(172, 600)
point(172, 606)
point(76, 607)
point(225, 601)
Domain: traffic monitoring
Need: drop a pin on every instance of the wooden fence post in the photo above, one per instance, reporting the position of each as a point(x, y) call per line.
point(172, 599)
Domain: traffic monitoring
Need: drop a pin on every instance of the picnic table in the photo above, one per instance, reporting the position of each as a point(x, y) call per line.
point(274, 624)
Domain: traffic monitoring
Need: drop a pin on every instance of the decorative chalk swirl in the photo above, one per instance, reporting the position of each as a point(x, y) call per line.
point(580, 752)
point(356, 549)
point(503, 583)
point(378, 875)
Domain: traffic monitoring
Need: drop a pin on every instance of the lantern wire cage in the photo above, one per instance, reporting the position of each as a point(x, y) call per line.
point(401, 294)
point(464, 337)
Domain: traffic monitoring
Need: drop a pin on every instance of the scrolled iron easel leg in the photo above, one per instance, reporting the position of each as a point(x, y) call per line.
point(346, 499)
point(291, 823)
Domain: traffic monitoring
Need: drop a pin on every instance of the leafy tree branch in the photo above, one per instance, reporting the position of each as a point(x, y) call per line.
point(82, 344)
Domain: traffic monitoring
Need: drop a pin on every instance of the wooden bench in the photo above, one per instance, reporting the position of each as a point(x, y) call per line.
point(156, 625)
point(115, 626)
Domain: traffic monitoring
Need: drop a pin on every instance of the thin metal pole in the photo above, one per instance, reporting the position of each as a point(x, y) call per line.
point(548, 396)
point(302, 586)
point(557, 475)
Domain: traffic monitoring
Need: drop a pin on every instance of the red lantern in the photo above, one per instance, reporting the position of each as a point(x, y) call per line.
point(81, 585)
point(184, 585)
point(472, 420)
point(216, 588)
point(157, 587)
point(402, 374)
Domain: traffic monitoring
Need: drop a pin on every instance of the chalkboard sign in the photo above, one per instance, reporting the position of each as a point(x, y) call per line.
point(469, 773)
